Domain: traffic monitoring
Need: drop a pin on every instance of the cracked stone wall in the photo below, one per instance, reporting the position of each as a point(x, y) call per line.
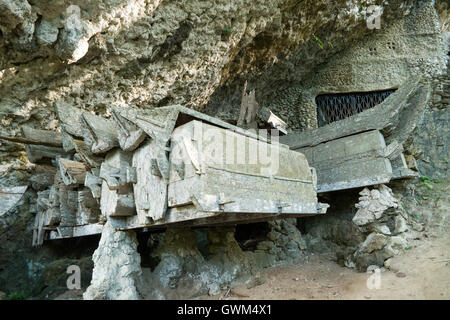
point(147, 53)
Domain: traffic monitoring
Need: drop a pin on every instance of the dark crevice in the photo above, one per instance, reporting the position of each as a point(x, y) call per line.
point(249, 235)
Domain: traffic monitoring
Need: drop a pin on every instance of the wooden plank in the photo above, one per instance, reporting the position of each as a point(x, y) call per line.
point(9, 197)
point(44, 137)
point(78, 231)
point(249, 110)
point(72, 172)
point(150, 189)
point(88, 208)
point(69, 118)
point(275, 122)
point(117, 192)
point(130, 135)
point(94, 182)
point(159, 123)
point(37, 153)
point(68, 199)
point(99, 134)
point(36, 137)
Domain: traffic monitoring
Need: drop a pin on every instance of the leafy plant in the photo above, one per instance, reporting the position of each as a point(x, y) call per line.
point(425, 178)
point(319, 42)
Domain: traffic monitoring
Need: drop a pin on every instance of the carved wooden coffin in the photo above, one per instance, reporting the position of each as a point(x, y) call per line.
point(220, 171)
point(356, 161)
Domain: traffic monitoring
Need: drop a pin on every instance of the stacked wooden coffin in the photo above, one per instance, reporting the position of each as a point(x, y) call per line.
point(169, 165)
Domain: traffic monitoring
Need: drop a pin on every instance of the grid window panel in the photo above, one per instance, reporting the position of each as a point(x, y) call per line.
point(335, 107)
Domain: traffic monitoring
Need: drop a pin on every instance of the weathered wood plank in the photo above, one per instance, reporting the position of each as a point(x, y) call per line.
point(88, 208)
point(273, 120)
point(100, 134)
point(351, 162)
point(117, 193)
point(159, 123)
point(43, 137)
point(9, 197)
point(94, 183)
point(77, 231)
point(68, 199)
point(150, 190)
point(72, 172)
point(42, 152)
point(68, 117)
point(130, 135)
point(36, 137)
point(249, 110)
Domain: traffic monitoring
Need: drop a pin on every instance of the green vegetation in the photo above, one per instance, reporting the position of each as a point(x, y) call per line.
point(320, 42)
point(227, 30)
point(427, 182)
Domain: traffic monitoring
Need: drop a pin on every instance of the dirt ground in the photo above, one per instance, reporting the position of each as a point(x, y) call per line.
point(421, 272)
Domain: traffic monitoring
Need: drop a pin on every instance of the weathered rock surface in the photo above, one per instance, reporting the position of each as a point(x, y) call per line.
point(381, 219)
point(284, 242)
point(147, 53)
point(372, 204)
point(184, 271)
point(117, 267)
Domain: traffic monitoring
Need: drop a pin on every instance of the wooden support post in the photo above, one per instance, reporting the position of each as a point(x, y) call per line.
point(249, 110)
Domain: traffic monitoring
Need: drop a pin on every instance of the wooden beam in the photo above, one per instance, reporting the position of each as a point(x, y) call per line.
point(44, 146)
point(249, 110)
point(36, 142)
point(72, 172)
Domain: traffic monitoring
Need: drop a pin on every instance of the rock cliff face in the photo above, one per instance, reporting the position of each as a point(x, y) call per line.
point(147, 53)
point(151, 53)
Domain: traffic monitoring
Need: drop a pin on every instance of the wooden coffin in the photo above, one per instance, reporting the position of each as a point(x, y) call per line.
point(219, 171)
point(356, 161)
